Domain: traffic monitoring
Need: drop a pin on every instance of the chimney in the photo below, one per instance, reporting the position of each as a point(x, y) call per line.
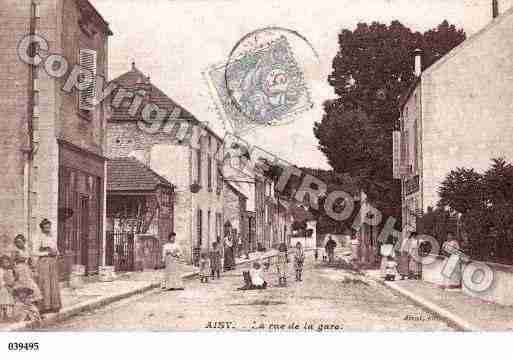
point(495, 8)
point(418, 62)
point(133, 65)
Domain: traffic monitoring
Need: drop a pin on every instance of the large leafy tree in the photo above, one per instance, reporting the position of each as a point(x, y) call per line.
point(486, 204)
point(372, 69)
point(462, 190)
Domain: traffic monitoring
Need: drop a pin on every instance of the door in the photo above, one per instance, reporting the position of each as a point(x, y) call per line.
point(84, 231)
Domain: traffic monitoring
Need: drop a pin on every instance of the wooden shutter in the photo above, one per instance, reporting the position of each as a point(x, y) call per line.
point(209, 172)
point(198, 156)
point(200, 225)
point(87, 60)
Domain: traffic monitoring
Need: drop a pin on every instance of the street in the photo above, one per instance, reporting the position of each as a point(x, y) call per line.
point(328, 299)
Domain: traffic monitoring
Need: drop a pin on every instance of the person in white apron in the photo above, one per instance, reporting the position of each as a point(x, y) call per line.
point(172, 274)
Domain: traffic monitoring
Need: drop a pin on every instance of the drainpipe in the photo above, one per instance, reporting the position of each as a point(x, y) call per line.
point(32, 112)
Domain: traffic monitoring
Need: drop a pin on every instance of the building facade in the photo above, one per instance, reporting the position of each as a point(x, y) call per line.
point(235, 212)
point(189, 156)
point(458, 114)
point(139, 202)
point(53, 146)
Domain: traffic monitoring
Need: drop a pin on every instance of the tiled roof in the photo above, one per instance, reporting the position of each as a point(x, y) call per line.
point(129, 174)
point(135, 80)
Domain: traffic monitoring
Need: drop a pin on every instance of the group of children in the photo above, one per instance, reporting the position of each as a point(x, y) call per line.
point(210, 266)
point(19, 293)
point(283, 260)
point(254, 278)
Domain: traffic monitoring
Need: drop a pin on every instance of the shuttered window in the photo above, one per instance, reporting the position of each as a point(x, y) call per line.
point(198, 165)
point(87, 60)
point(210, 173)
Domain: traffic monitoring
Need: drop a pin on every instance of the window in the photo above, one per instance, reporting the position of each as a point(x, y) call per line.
point(198, 170)
point(87, 62)
point(210, 173)
point(219, 179)
point(208, 225)
point(166, 198)
point(200, 225)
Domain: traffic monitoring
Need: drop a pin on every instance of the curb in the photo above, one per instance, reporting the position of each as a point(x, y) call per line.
point(451, 319)
point(89, 305)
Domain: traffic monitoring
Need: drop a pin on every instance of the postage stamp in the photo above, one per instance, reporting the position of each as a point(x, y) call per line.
point(262, 86)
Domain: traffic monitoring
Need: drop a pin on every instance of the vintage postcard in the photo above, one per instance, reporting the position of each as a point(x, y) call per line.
point(256, 166)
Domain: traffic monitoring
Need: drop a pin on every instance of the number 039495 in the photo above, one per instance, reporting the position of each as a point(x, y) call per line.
point(14, 346)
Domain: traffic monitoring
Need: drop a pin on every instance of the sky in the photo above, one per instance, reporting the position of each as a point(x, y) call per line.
point(175, 41)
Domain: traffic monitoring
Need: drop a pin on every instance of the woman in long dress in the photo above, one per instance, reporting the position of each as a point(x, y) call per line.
point(45, 248)
point(172, 275)
point(229, 259)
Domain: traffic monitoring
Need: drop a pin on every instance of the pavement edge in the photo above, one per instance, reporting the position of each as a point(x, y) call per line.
point(451, 319)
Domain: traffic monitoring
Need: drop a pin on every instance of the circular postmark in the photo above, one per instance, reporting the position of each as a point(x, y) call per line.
point(264, 82)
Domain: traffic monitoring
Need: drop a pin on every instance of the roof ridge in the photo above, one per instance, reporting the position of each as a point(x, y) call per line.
point(152, 171)
point(141, 166)
point(475, 36)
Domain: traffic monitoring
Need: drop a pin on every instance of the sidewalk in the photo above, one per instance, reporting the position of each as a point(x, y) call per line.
point(462, 311)
point(95, 294)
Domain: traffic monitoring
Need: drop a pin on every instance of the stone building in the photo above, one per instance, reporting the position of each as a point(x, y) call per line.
point(53, 145)
point(235, 213)
point(457, 114)
point(272, 215)
point(183, 151)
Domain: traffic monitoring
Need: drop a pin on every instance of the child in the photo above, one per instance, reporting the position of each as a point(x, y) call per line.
point(299, 259)
point(257, 277)
point(390, 269)
point(22, 270)
point(24, 308)
point(282, 264)
point(6, 299)
point(204, 265)
point(215, 260)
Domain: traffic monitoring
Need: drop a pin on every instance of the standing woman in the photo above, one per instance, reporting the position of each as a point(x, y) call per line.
point(172, 275)
point(45, 247)
point(229, 259)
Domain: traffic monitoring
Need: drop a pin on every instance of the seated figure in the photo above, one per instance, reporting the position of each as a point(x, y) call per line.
point(254, 278)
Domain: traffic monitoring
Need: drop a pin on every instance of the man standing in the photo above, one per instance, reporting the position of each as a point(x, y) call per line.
point(330, 249)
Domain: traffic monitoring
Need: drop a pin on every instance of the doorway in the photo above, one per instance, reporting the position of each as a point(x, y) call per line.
point(84, 231)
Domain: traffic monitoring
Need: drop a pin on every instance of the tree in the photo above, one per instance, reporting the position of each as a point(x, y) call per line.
point(372, 69)
point(486, 204)
point(462, 190)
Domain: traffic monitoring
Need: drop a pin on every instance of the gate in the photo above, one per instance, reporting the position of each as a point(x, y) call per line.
point(119, 251)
